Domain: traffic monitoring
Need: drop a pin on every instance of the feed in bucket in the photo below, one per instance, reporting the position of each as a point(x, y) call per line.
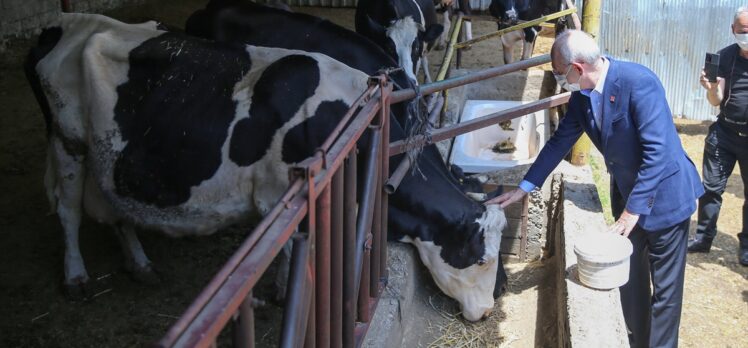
point(603, 260)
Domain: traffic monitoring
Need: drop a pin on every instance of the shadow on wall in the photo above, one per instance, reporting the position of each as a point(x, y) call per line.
point(592, 204)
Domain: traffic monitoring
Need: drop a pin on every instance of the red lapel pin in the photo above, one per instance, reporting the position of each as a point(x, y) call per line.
point(612, 98)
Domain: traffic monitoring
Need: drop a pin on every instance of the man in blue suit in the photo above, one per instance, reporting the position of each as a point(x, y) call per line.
point(654, 185)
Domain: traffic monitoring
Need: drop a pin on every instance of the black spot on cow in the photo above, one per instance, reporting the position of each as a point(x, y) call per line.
point(301, 140)
point(174, 113)
point(279, 93)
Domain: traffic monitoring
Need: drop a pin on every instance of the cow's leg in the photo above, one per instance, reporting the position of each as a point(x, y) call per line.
point(444, 37)
point(529, 43)
point(508, 41)
point(68, 187)
point(426, 73)
point(468, 30)
point(50, 181)
point(136, 262)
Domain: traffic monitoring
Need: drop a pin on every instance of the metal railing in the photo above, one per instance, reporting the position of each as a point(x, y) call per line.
point(339, 257)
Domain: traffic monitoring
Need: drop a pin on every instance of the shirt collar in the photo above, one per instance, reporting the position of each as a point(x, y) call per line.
point(601, 81)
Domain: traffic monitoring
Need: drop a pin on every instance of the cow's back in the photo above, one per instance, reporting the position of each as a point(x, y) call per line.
point(186, 135)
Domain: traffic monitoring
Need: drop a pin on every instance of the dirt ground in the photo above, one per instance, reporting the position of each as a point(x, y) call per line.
point(34, 312)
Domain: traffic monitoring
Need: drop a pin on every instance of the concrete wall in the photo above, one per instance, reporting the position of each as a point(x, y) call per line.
point(24, 18)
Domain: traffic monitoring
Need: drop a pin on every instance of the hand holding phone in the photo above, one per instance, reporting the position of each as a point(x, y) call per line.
point(711, 66)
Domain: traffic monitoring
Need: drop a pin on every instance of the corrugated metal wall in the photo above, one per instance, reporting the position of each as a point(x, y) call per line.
point(670, 37)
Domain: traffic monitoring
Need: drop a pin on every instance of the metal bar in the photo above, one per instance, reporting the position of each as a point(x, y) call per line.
point(392, 183)
point(216, 313)
point(364, 312)
point(376, 230)
point(294, 317)
point(179, 328)
point(366, 207)
point(524, 25)
point(346, 142)
point(399, 146)
point(360, 102)
point(244, 325)
point(349, 250)
point(336, 256)
point(384, 173)
point(322, 292)
point(406, 94)
point(577, 24)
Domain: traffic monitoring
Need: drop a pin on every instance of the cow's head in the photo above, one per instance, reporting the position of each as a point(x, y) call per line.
point(507, 11)
point(403, 40)
point(463, 259)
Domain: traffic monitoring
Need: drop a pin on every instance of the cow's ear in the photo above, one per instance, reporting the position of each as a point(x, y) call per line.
point(374, 27)
point(432, 32)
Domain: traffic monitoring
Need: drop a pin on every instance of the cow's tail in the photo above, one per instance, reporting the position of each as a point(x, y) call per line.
point(47, 41)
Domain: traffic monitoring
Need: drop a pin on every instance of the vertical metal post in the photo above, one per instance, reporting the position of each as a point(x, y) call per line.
point(376, 231)
point(244, 325)
point(296, 312)
point(385, 172)
point(322, 292)
point(349, 251)
point(336, 262)
point(363, 293)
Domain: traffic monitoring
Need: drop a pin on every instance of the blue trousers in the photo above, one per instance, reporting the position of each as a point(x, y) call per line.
point(653, 315)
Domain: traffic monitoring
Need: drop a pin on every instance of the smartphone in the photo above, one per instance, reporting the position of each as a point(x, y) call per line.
point(711, 66)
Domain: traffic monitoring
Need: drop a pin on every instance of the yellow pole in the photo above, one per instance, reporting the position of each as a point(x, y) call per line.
point(590, 24)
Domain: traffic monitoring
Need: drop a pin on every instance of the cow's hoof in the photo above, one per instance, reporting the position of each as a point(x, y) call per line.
point(78, 289)
point(144, 274)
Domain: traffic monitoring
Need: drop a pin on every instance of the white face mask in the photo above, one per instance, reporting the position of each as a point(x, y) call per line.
point(742, 40)
point(564, 83)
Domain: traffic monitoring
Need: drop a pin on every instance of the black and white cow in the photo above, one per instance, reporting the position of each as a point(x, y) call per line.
point(449, 8)
point(403, 28)
point(510, 12)
point(168, 132)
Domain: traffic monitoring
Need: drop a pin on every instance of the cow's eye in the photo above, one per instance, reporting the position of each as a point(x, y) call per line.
point(482, 261)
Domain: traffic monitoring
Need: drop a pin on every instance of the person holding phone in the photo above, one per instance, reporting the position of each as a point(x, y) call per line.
point(727, 140)
point(654, 185)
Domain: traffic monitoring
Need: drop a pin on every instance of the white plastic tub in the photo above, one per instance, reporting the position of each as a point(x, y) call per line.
point(473, 151)
point(603, 260)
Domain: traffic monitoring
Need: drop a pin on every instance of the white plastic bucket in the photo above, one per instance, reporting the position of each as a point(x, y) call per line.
point(603, 260)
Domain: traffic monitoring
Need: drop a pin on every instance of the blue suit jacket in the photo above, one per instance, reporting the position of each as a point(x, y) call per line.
point(640, 144)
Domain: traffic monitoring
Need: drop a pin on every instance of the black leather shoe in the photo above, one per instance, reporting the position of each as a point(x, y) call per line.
point(743, 256)
point(699, 245)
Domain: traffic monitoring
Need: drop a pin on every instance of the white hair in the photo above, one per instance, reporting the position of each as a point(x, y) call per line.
point(576, 46)
point(738, 12)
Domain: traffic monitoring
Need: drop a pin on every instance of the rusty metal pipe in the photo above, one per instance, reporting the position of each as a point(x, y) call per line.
point(452, 131)
point(364, 312)
point(244, 325)
point(407, 94)
point(384, 173)
point(376, 231)
point(294, 315)
point(322, 281)
point(366, 207)
point(336, 262)
point(349, 251)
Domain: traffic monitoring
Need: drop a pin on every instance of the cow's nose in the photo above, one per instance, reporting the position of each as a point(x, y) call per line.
point(487, 313)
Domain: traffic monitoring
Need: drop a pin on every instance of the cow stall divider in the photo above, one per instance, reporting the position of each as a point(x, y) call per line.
point(339, 257)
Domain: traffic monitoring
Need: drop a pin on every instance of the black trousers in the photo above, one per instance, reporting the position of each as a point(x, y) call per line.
point(722, 148)
point(653, 316)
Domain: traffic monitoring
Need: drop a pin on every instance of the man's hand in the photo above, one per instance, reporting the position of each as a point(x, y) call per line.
point(507, 198)
point(625, 224)
point(709, 86)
